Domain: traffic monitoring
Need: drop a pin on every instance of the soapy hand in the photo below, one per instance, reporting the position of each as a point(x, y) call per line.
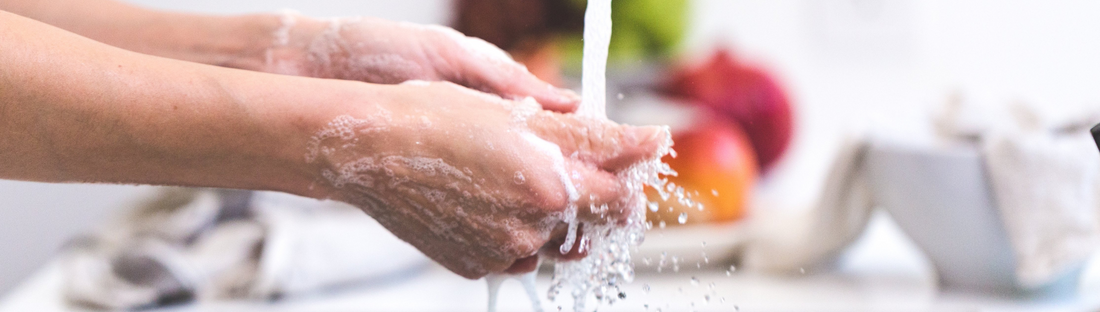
point(386, 52)
point(482, 182)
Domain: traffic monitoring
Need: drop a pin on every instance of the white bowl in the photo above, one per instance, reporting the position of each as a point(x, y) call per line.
point(941, 198)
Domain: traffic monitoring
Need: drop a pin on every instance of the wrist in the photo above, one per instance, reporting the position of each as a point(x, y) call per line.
point(241, 41)
point(289, 117)
point(295, 48)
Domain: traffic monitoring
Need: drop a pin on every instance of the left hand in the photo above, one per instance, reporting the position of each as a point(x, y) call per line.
point(481, 184)
point(386, 52)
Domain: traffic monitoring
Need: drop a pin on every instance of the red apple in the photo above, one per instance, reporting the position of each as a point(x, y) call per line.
point(744, 94)
point(716, 166)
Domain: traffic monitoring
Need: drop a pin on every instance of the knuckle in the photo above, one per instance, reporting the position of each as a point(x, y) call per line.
point(522, 245)
point(550, 196)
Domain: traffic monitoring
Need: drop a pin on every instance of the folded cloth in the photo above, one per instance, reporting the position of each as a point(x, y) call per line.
point(204, 244)
point(1044, 178)
point(1042, 169)
point(1045, 186)
point(787, 244)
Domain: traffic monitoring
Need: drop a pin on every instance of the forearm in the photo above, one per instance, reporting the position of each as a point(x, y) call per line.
point(230, 41)
point(75, 110)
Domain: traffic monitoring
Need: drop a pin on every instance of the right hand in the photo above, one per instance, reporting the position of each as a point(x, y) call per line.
point(386, 52)
point(474, 181)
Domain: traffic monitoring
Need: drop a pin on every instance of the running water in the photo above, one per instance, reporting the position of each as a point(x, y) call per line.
point(608, 264)
point(527, 280)
point(597, 39)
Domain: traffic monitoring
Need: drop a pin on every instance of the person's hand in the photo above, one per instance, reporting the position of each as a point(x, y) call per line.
point(481, 182)
point(386, 52)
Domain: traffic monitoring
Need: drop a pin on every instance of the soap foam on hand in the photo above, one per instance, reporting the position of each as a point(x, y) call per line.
point(608, 263)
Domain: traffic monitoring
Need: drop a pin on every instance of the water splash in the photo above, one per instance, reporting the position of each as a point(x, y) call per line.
point(527, 280)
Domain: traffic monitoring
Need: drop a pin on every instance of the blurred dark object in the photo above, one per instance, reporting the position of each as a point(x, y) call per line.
point(1096, 134)
point(542, 34)
point(746, 95)
point(517, 25)
point(527, 29)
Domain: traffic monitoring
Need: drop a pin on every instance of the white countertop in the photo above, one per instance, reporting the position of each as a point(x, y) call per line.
point(881, 273)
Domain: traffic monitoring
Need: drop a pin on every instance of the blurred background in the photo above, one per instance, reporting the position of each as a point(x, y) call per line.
point(885, 150)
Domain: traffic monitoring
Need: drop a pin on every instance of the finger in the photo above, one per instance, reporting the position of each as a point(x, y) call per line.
point(509, 79)
point(602, 196)
point(552, 249)
point(607, 145)
point(523, 84)
point(524, 265)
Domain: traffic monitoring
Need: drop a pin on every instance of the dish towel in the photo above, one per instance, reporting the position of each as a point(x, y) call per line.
point(842, 211)
point(1043, 173)
point(206, 244)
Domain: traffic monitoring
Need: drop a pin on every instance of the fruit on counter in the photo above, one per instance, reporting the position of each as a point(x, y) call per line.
point(744, 94)
point(716, 166)
point(641, 30)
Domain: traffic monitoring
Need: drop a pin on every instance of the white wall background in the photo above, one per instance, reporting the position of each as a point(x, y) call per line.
point(871, 64)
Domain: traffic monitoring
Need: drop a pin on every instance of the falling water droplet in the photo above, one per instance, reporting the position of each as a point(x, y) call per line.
point(802, 270)
point(683, 218)
point(714, 192)
point(661, 224)
point(653, 206)
point(570, 238)
point(518, 178)
point(620, 96)
point(694, 281)
point(706, 298)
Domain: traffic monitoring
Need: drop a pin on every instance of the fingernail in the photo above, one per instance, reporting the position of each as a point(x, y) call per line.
point(568, 96)
point(648, 134)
